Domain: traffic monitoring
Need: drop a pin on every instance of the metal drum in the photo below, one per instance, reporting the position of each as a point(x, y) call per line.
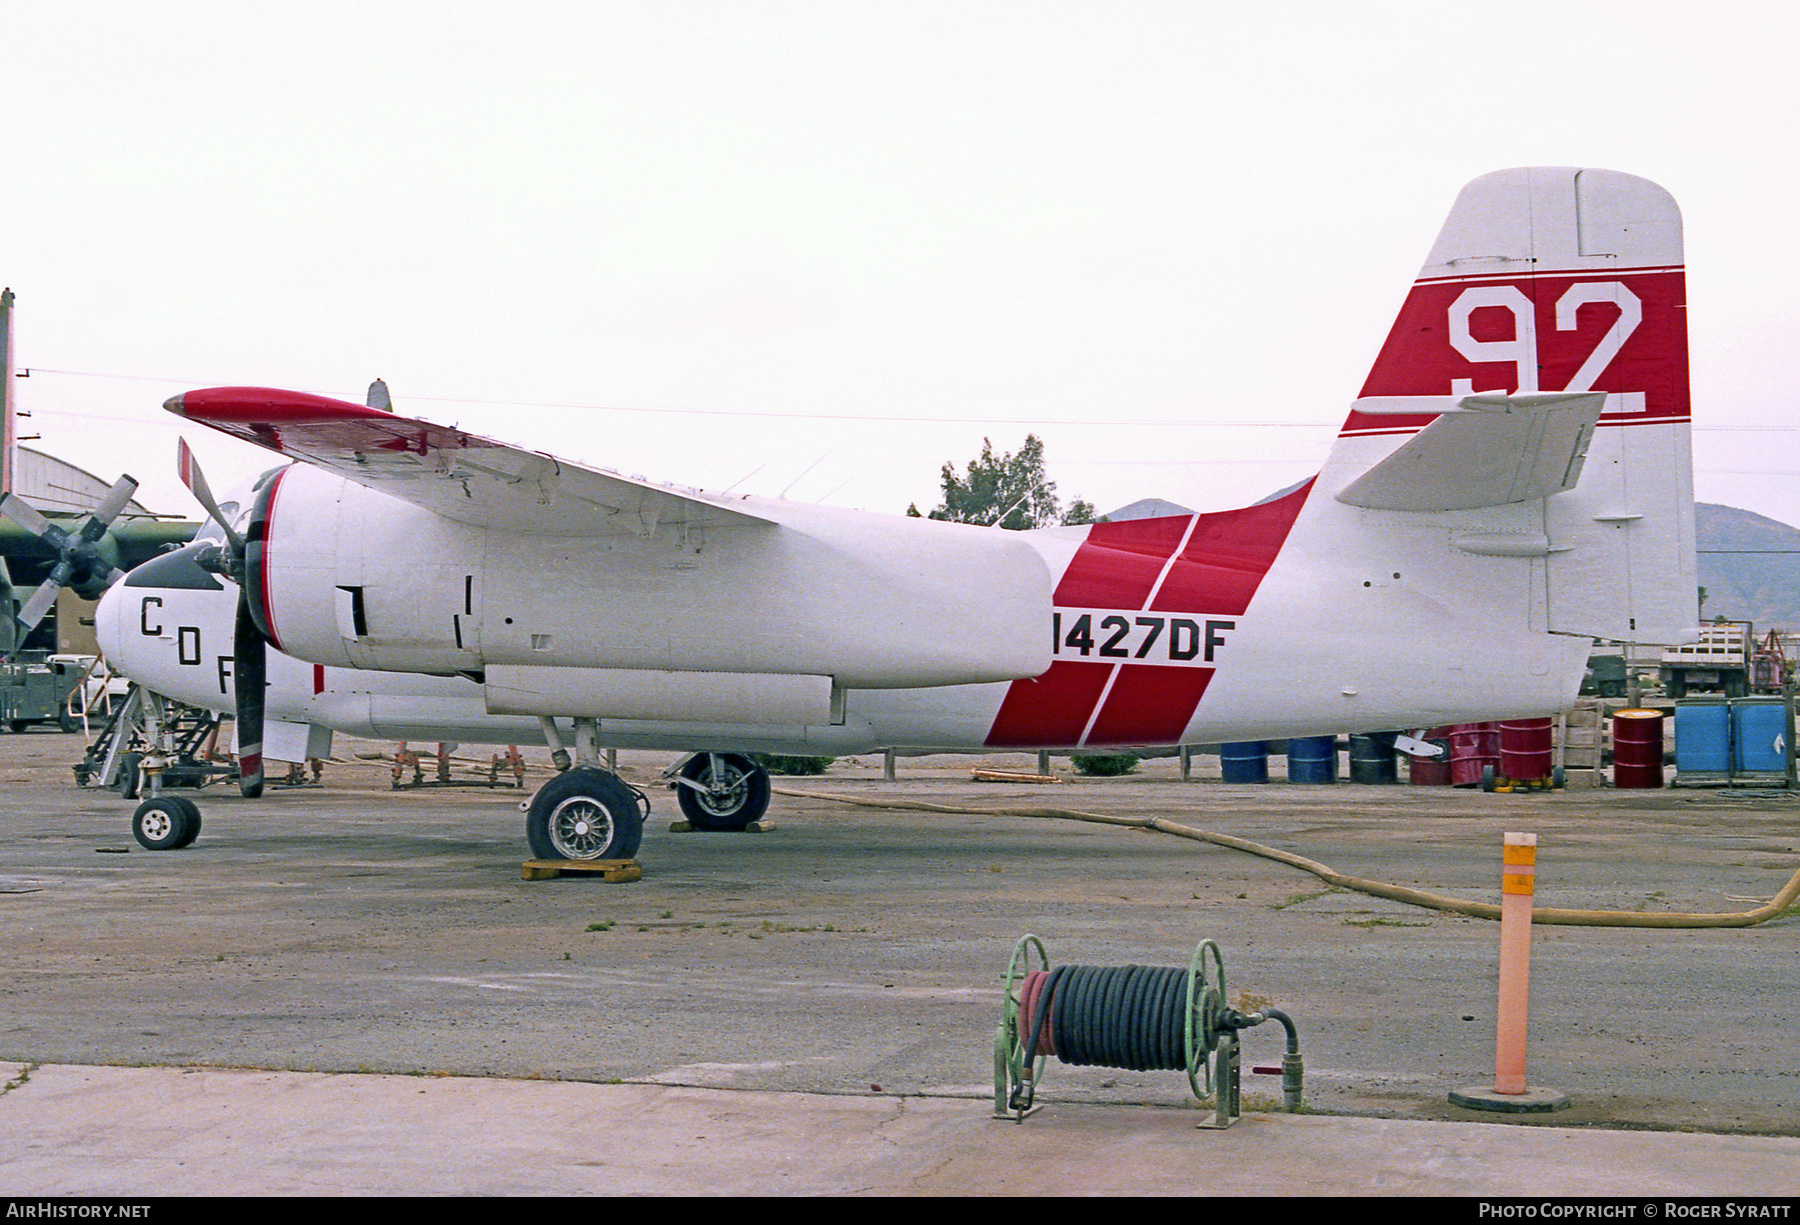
point(1246, 761)
point(1473, 748)
point(1431, 771)
point(1638, 748)
point(1527, 749)
point(1312, 759)
point(1372, 758)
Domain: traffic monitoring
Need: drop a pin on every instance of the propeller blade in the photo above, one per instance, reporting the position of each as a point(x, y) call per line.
point(117, 498)
point(26, 516)
point(38, 604)
point(195, 480)
point(86, 559)
point(9, 623)
point(250, 675)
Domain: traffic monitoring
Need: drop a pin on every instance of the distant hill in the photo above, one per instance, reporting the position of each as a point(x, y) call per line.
point(1146, 508)
point(1763, 587)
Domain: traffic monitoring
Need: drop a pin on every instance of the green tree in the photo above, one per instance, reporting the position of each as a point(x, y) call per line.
point(1007, 490)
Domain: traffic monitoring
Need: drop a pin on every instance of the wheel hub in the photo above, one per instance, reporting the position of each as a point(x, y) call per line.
point(580, 828)
point(725, 791)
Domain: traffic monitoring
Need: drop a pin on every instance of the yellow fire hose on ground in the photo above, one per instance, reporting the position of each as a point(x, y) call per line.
point(1773, 908)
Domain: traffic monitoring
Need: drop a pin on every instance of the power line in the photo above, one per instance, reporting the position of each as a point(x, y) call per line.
point(1036, 422)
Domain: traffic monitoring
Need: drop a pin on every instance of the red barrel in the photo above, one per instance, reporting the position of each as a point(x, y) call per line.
point(1473, 747)
point(1526, 749)
point(1431, 771)
point(1638, 748)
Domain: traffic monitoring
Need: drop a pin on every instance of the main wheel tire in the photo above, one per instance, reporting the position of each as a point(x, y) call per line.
point(165, 824)
point(129, 780)
point(733, 802)
point(584, 814)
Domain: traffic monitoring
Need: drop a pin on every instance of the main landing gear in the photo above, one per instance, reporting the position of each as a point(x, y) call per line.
point(720, 791)
point(587, 812)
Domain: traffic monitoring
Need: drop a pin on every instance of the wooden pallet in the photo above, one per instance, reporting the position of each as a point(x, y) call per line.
point(613, 871)
point(1011, 776)
point(1580, 736)
point(688, 827)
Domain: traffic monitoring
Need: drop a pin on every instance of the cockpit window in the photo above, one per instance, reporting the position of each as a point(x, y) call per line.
point(178, 569)
point(211, 531)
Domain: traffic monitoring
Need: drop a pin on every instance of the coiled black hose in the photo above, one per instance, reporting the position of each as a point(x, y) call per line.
point(1130, 1017)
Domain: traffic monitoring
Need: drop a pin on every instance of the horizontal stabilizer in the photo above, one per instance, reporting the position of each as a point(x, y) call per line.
point(1490, 449)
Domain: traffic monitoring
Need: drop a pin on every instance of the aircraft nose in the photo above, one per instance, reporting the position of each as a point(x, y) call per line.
point(108, 625)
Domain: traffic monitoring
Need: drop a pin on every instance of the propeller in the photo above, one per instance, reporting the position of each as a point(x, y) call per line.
point(249, 641)
point(87, 559)
point(8, 639)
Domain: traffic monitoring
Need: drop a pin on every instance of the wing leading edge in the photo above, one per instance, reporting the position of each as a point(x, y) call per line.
point(461, 476)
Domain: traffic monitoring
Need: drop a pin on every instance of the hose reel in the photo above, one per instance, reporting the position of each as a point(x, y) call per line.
point(1140, 1018)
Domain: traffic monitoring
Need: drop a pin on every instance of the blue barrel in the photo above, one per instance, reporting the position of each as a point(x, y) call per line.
point(1312, 759)
point(1246, 761)
point(1702, 737)
point(1759, 736)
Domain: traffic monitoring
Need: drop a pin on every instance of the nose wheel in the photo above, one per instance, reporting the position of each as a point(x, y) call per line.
point(166, 823)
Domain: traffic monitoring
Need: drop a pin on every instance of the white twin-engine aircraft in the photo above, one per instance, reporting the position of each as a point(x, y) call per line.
point(1513, 480)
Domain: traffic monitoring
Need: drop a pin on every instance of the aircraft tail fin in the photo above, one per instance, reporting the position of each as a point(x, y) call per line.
point(1534, 387)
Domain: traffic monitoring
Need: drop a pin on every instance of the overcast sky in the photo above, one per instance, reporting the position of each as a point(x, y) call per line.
point(822, 248)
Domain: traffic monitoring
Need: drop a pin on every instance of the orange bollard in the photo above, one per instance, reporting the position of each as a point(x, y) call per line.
point(1510, 1093)
point(1517, 880)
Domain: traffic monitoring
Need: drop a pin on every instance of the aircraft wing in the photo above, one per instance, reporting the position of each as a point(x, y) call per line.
point(460, 476)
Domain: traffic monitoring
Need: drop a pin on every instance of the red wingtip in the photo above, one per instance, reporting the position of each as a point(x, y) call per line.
point(264, 405)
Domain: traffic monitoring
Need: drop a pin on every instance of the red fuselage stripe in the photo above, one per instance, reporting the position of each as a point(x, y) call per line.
point(1118, 566)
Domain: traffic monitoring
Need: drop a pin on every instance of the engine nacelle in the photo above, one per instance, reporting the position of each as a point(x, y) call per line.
point(344, 575)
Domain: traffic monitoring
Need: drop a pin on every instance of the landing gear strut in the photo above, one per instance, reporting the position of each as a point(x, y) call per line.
point(161, 822)
point(587, 812)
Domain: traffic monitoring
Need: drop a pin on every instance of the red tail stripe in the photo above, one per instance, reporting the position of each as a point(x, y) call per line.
point(1227, 557)
point(1420, 359)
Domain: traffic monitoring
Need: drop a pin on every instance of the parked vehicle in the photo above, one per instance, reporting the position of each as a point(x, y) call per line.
point(1718, 659)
